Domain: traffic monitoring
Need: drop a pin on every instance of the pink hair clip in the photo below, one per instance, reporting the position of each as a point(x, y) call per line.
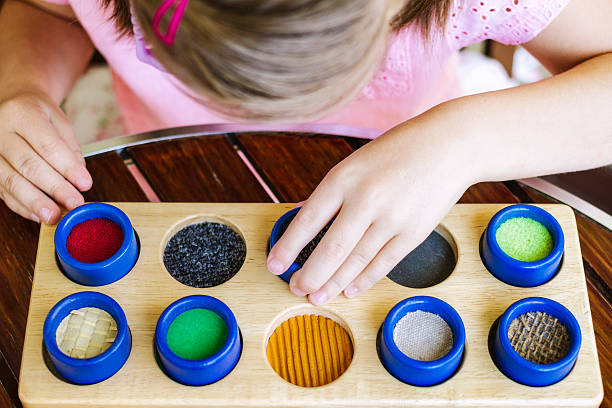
point(168, 37)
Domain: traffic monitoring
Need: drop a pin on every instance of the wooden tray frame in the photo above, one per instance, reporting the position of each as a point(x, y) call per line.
point(262, 301)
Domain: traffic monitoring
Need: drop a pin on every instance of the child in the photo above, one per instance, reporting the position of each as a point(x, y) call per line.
point(374, 63)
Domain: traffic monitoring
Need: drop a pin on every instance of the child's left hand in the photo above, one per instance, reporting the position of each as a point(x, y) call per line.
point(388, 197)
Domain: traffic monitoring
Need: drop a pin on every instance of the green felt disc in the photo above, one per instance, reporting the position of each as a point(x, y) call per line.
point(196, 334)
point(524, 239)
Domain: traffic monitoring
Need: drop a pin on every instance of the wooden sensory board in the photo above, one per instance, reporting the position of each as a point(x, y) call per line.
point(261, 301)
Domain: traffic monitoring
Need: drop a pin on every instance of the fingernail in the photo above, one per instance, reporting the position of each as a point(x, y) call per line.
point(318, 298)
point(83, 181)
point(351, 291)
point(34, 217)
point(296, 291)
point(275, 267)
point(45, 215)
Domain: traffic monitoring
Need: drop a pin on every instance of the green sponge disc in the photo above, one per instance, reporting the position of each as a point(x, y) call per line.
point(524, 239)
point(196, 334)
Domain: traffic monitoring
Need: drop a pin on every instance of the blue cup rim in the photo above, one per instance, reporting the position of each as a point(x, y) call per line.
point(548, 306)
point(86, 212)
point(523, 210)
point(410, 305)
point(184, 304)
point(276, 233)
point(83, 299)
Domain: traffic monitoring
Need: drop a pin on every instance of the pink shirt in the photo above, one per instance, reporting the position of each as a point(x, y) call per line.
point(413, 77)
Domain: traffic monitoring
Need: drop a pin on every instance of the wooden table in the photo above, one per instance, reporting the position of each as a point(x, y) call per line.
point(215, 166)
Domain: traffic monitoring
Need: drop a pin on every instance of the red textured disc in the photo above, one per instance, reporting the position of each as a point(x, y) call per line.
point(94, 240)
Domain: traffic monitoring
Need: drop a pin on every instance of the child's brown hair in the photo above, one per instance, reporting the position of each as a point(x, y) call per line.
point(281, 60)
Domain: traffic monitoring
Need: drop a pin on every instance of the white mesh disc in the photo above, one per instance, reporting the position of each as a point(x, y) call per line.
point(423, 336)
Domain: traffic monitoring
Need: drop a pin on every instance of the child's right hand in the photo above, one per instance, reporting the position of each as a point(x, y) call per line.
point(40, 158)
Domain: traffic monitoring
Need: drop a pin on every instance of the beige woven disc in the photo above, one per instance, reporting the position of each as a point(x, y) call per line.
point(86, 332)
point(539, 337)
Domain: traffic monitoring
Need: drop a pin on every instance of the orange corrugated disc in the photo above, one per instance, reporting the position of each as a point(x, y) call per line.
point(309, 350)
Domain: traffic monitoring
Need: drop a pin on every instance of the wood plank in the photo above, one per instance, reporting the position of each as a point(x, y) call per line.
point(18, 241)
point(596, 244)
point(5, 399)
point(601, 311)
point(8, 384)
point(491, 192)
point(595, 241)
point(112, 180)
point(294, 165)
point(587, 185)
point(205, 169)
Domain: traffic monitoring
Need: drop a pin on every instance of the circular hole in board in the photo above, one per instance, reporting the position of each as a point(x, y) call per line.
point(51, 367)
point(323, 340)
point(428, 264)
point(203, 251)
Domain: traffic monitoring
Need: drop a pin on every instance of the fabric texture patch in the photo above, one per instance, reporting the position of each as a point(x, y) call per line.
point(196, 334)
point(539, 337)
point(94, 240)
point(423, 336)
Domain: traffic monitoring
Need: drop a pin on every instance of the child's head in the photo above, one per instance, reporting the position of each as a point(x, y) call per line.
point(281, 60)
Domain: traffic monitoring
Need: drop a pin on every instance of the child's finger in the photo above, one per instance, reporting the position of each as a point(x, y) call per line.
point(12, 203)
point(339, 241)
point(66, 130)
point(371, 243)
point(23, 159)
point(47, 142)
point(14, 184)
point(312, 217)
point(381, 265)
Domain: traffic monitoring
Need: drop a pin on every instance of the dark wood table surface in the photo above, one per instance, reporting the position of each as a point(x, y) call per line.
point(211, 169)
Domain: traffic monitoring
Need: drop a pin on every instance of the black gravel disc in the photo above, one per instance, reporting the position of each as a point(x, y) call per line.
point(205, 254)
point(427, 265)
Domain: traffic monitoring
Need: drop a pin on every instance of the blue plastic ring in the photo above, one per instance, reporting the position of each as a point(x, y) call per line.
point(413, 371)
point(513, 271)
point(100, 367)
point(277, 232)
point(98, 273)
point(522, 370)
point(210, 369)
